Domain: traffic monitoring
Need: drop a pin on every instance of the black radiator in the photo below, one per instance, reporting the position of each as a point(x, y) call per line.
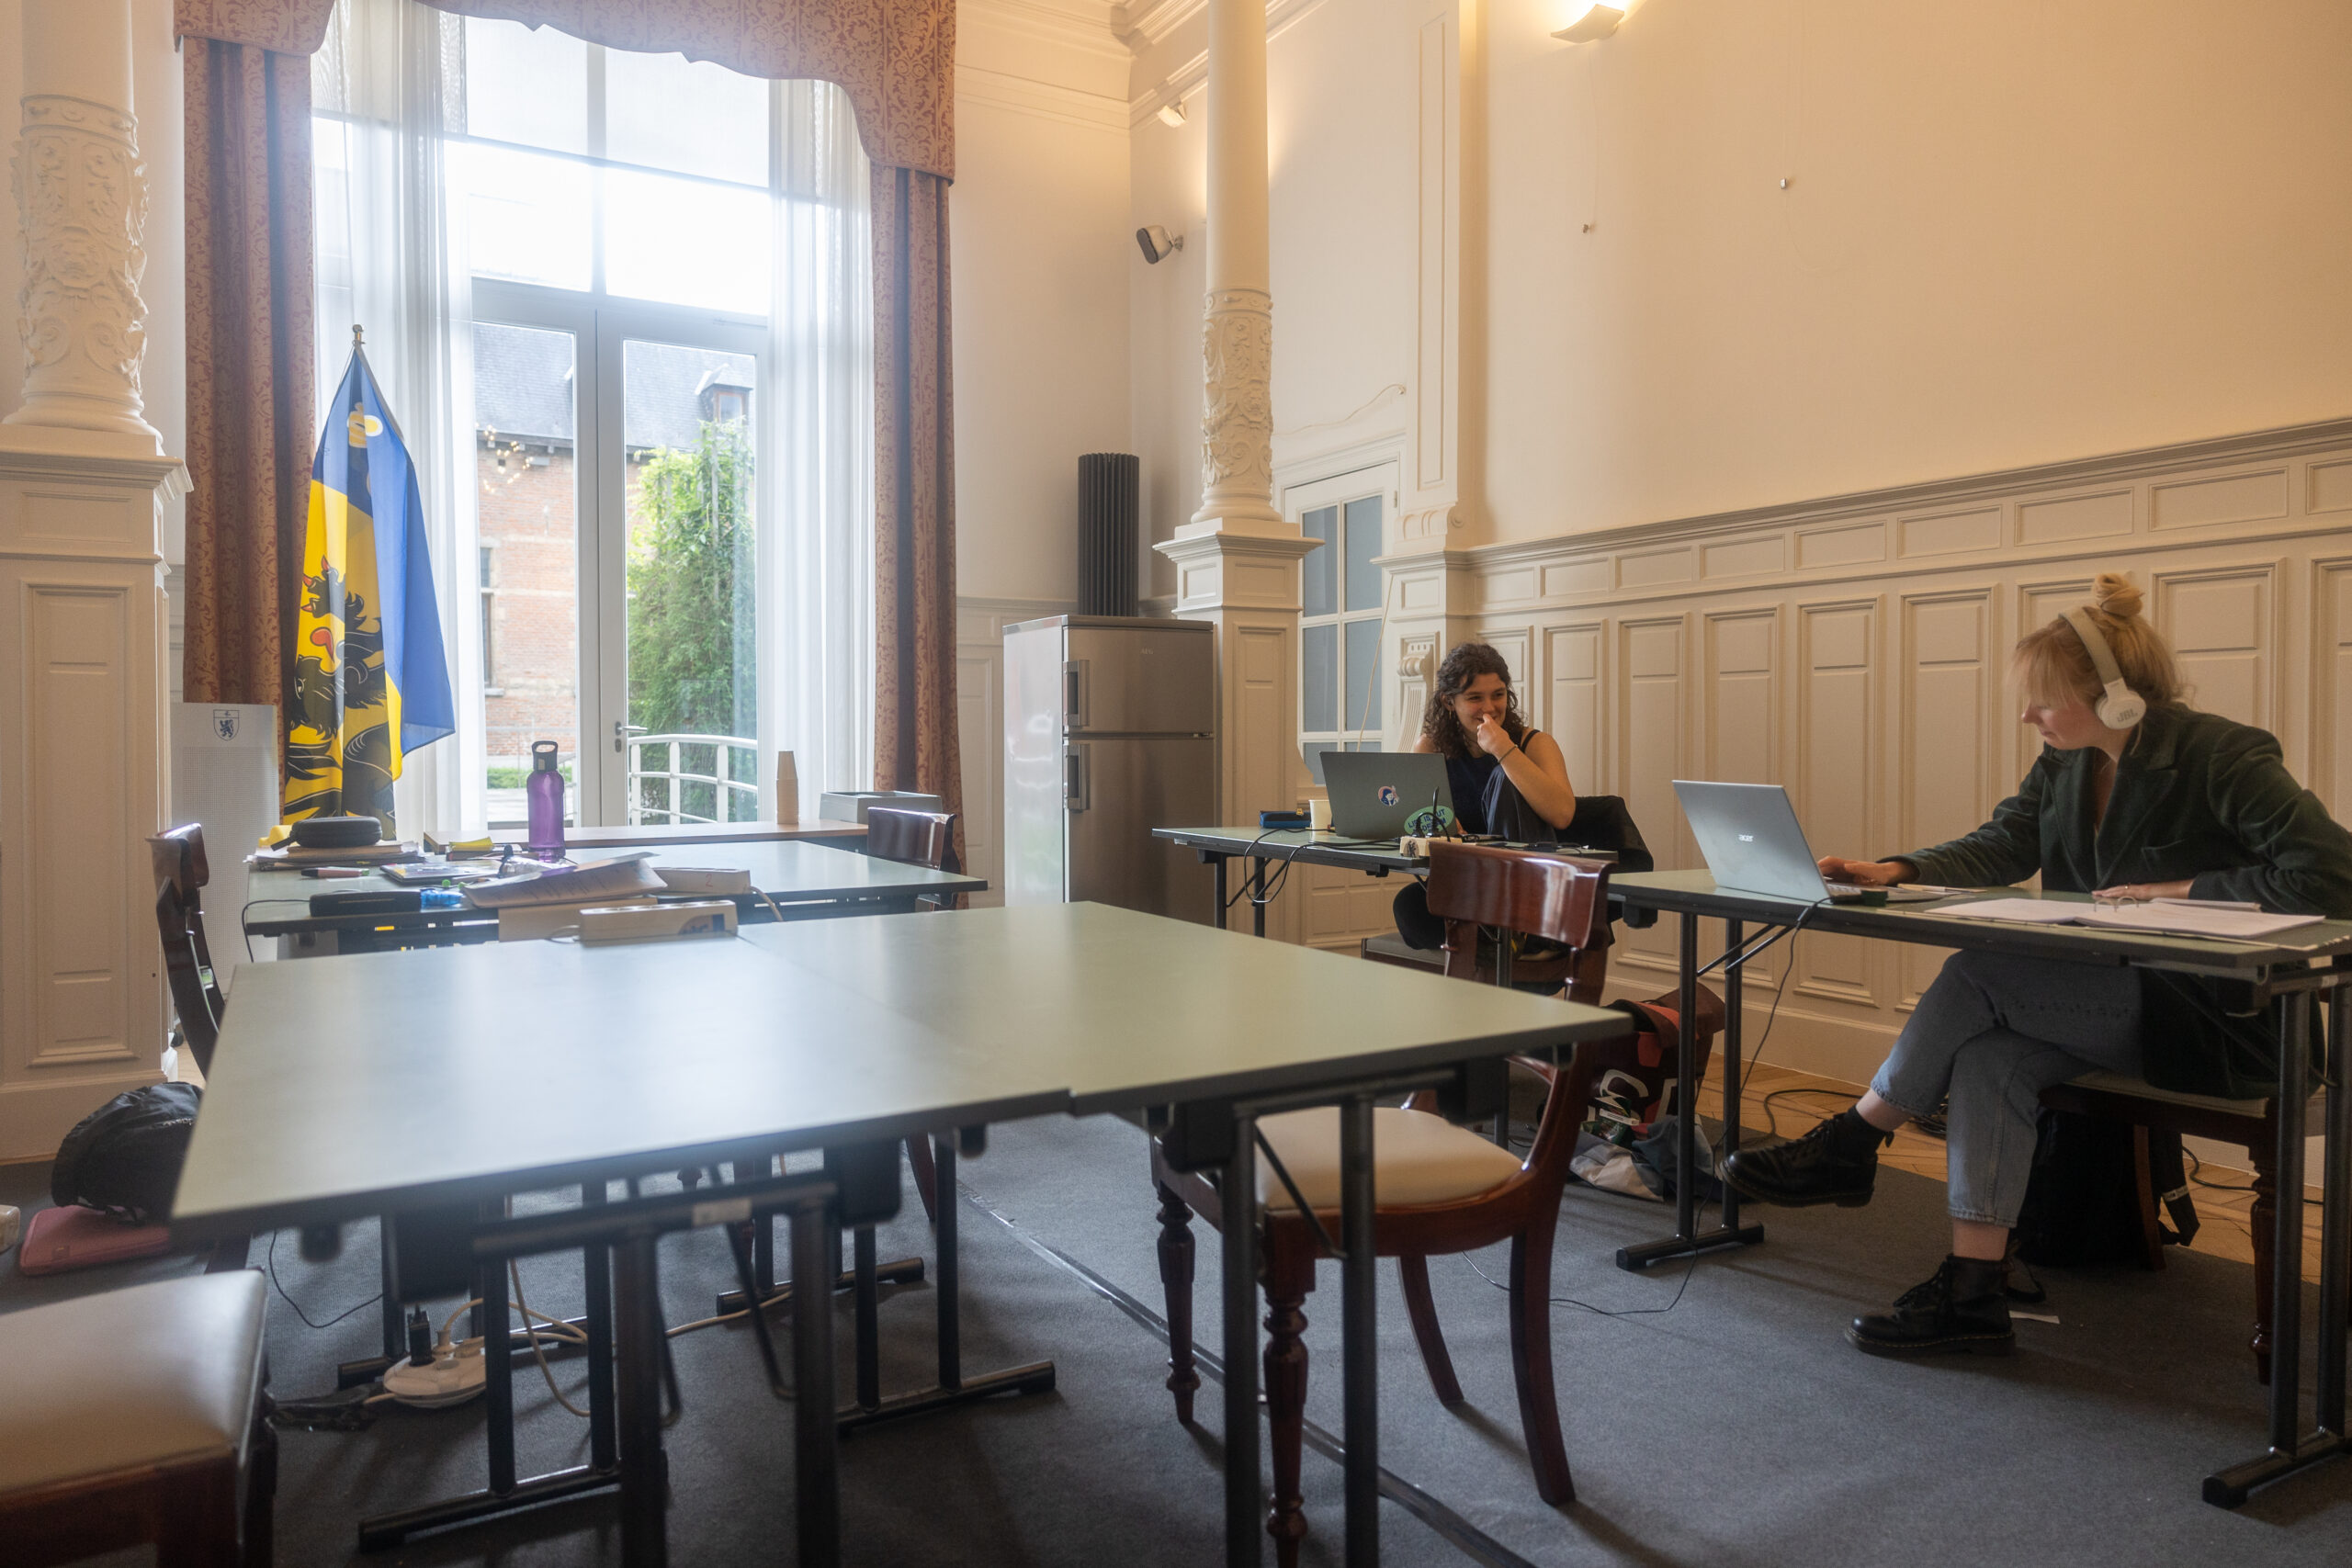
point(1106, 534)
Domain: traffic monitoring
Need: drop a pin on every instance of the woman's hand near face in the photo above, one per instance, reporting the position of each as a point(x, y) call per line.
point(1866, 872)
point(1491, 737)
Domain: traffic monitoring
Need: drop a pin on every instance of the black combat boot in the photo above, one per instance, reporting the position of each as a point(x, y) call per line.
point(1964, 1307)
point(1834, 1163)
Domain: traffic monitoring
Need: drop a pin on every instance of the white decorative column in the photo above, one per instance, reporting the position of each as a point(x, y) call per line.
point(1237, 561)
point(1430, 581)
point(84, 742)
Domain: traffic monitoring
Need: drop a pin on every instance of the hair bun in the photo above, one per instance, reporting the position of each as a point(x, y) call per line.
point(2112, 593)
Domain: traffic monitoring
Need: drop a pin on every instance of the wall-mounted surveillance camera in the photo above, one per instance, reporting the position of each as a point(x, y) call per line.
point(1156, 242)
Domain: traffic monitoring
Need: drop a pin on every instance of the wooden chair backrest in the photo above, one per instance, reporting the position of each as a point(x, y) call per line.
point(181, 873)
point(912, 838)
point(1558, 898)
point(1555, 897)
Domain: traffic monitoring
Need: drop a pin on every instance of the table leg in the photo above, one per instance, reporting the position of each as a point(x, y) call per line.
point(2290, 1449)
point(952, 1387)
point(815, 1448)
point(1257, 894)
point(1732, 1064)
point(868, 1296)
point(1687, 1239)
point(1360, 1350)
point(1245, 1498)
point(497, 1370)
point(603, 1450)
point(2335, 1224)
point(1217, 877)
point(644, 1485)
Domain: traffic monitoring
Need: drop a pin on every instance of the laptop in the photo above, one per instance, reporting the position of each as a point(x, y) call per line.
point(1753, 844)
point(1374, 794)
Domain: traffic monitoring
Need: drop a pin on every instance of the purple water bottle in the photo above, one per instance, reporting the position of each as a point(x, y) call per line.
point(544, 792)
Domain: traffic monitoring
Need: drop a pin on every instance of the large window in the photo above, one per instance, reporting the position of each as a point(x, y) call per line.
point(610, 225)
point(1339, 702)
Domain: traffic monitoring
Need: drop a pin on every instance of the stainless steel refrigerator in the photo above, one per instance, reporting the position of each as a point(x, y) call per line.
point(1110, 729)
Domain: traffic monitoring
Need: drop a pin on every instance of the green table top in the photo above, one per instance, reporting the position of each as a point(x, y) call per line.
point(374, 1082)
point(1694, 892)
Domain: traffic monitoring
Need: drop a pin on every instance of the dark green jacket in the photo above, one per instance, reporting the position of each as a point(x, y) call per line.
point(2196, 795)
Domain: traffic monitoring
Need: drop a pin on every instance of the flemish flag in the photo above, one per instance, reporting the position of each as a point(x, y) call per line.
point(370, 681)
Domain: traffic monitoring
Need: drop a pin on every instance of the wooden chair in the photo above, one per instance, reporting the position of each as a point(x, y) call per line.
point(181, 873)
point(2252, 1124)
point(136, 1415)
point(926, 839)
point(1442, 1189)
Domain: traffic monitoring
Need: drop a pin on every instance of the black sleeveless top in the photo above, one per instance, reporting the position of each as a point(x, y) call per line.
point(1470, 778)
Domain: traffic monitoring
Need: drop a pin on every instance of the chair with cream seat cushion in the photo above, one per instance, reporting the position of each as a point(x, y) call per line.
point(135, 1415)
point(1419, 1157)
point(1439, 1188)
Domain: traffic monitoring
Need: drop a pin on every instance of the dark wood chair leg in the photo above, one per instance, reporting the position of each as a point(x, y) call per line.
point(1176, 1285)
point(261, 1492)
point(1530, 1357)
point(197, 1518)
point(926, 1176)
point(2143, 1187)
point(2264, 1218)
point(1288, 1278)
point(1413, 1270)
point(228, 1254)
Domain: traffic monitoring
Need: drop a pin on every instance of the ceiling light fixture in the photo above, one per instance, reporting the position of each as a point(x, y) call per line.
point(1597, 22)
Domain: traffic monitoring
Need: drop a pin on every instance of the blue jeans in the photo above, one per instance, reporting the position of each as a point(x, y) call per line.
point(1992, 1033)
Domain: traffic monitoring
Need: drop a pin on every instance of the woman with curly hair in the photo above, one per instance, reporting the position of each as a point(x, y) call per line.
point(1506, 779)
point(2135, 795)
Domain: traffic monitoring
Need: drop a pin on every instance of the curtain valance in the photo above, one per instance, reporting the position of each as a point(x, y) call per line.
point(896, 59)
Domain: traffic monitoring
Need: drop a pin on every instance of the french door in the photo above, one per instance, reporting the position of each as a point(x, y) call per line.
point(616, 445)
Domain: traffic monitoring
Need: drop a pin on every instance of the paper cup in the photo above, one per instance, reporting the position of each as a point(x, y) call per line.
point(1318, 812)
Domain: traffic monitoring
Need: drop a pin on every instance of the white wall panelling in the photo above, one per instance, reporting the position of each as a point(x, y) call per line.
point(1856, 650)
point(84, 778)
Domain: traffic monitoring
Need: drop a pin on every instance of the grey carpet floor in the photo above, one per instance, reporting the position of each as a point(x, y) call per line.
point(1723, 1421)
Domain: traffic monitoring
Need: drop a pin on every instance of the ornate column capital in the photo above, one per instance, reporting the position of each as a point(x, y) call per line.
point(81, 192)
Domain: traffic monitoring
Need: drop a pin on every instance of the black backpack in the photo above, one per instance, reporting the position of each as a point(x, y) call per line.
point(125, 1157)
point(2082, 1203)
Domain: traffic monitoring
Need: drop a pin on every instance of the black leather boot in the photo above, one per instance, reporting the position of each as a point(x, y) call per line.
point(1964, 1307)
point(1834, 1163)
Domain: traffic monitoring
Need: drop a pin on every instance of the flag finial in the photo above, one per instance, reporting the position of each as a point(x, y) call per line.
point(357, 341)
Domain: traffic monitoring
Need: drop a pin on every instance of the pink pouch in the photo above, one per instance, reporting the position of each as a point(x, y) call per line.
point(58, 1241)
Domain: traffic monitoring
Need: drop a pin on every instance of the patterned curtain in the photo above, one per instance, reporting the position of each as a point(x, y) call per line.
point(914, 487)
point(249, 351)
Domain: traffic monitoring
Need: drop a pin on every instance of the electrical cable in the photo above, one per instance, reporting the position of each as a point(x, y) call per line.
point(1771, 1123)
point(1606, 1312)
point(290, 1300)
point(245, 931)
point(2196, 1165)
point(1778, 991)
point(557, 1329)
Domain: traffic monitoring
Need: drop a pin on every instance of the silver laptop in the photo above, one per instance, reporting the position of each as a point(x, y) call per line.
point(1752, 843)
point(1374, 794)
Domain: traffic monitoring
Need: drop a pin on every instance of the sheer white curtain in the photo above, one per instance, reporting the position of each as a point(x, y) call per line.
point(816, 589)
point(390, 261)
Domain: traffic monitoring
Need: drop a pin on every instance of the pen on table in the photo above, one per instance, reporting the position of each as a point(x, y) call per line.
point(332, 871)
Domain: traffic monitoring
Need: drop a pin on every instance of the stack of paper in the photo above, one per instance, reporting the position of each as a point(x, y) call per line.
point(2171, 917)
point(621, 876)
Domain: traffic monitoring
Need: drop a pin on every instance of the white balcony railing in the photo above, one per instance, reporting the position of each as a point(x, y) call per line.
point(646, 751)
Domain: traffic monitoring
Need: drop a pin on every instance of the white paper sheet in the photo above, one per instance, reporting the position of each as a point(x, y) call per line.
point(2182, 918)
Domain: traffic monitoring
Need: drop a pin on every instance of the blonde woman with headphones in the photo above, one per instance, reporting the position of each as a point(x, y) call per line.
point(2135, 795)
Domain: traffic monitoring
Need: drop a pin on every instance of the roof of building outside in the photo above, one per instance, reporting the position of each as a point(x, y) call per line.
point(524, 386)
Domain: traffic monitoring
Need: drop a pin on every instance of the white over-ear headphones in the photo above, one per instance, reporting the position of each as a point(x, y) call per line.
point(2122, 707)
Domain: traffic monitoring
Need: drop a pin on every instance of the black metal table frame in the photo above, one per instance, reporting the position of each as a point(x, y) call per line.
point(444, 928)
point(2291, 1448)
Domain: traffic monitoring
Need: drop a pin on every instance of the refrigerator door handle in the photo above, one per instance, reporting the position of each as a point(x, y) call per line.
point(1074, 692)
point(1074, 790)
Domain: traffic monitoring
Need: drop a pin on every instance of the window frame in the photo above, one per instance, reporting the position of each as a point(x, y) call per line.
point(1377, 481)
